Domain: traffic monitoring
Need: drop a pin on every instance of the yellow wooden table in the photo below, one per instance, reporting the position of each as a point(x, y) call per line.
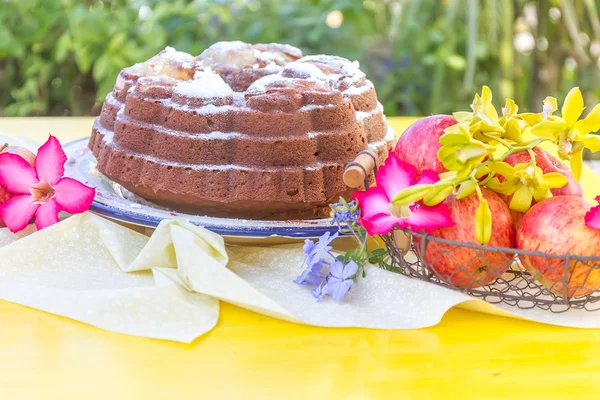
point(468, 355)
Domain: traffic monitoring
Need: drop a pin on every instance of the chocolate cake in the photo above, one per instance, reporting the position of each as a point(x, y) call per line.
point(250, 131)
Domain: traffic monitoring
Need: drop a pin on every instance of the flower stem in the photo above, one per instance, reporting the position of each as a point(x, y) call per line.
point(499, 140)
point(479, 193)
point(525, 147)
point(532, 155)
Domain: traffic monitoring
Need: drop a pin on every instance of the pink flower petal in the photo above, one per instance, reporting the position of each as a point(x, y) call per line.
point(47, 215)
point(16, 174)
point(372, 202)
point(428, 176)
point(50, 161)
point(395, 175)
point(592, 218)
point(429, 218)
point(17, 212)
point(73, 196)
point(381, 224)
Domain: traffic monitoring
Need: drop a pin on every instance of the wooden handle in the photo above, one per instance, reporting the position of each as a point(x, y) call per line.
point(360, 168)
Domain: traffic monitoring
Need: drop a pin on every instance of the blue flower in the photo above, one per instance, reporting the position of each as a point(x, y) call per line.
point(318, 292)
point(315, 252)
point(311, 275)
point(340, 279)
point(314, 259)
point(344, 216)
point(309, 248)
point(344, 213)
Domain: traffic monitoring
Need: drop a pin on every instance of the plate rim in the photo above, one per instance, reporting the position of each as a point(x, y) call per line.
point(139, 218)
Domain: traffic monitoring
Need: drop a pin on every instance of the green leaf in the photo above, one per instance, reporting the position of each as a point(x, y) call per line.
point(63, 47)
point(483, 222)
point(116, 42)
point(456, 62)
point(101, 67)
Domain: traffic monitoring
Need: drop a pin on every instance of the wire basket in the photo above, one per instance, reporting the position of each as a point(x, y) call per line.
point(497, 275)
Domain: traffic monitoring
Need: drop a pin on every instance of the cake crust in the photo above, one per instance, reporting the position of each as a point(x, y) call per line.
point(249, 131)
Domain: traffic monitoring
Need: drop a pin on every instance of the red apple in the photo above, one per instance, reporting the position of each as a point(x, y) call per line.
point(463, 266)
point(557, 226)
point(548, 164)
point(419, 144)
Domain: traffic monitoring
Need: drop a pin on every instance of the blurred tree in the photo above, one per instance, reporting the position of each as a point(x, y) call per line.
point(61, 57)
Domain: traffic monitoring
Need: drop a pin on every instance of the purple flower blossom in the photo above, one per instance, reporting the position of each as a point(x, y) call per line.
point(314, 259)
point(344, 216)
point(316, 251)
point(344, 213)
point(318, 292)
point(311, 275)
point(340, 279)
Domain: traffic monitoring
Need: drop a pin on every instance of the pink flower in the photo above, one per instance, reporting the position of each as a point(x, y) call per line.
point(379, 215)
point(592, 218)
point(41, 191)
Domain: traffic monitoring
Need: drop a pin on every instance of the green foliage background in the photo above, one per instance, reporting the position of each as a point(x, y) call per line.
point(61, 57)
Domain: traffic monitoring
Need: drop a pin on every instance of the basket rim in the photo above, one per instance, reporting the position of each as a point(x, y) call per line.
point(427, 236)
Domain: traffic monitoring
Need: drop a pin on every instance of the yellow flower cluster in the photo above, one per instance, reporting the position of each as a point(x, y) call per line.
point(469, 151)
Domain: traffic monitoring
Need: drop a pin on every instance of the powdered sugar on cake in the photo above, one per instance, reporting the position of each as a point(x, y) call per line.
point(260, 85)
point(303, 71)
point(205, 85)
point(358, 90)
point(362, 115)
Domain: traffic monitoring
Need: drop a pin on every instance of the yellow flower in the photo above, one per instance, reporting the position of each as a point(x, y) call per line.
point(510, 122)
point(570, 133)
point(485, 112)
point(549, 107)
point(525, 182)
point(461, 152)
point(483, 118)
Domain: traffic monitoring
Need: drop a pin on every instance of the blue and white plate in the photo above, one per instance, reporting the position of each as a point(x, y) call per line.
point(117, 203)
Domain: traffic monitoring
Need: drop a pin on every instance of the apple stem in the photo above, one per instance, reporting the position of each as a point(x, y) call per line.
point(4, 146)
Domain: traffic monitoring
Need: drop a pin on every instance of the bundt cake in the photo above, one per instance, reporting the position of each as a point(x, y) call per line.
point(249, 131)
